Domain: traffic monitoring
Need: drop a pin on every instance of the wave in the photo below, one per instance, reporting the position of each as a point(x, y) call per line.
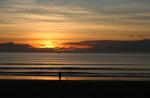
point(67, 68)
point(61, 64)
point(79, 74)
point(95, 70)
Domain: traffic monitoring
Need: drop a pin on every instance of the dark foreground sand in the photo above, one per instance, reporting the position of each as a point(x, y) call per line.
point(74, 89)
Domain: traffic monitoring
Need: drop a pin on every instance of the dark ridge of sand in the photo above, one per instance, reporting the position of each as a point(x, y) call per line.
point(74, 89)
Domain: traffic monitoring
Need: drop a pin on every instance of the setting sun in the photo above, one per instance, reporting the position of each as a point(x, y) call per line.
point(49, 44)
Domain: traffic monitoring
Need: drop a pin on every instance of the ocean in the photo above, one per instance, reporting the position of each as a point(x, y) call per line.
point(75, 66)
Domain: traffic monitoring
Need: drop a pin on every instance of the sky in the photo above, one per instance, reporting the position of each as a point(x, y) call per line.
point(48, 23)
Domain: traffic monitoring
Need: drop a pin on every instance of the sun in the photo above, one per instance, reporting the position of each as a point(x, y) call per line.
point(49, 44)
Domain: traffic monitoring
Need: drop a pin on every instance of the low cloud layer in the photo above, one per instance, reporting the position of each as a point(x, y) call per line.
point(14, 47)
point(83, 47)
point(109, 45)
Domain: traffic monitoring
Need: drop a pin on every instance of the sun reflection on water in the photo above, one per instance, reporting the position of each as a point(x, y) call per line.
point(75, 78)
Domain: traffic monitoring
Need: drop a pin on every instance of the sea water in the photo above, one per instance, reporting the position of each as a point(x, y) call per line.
point(75, 66)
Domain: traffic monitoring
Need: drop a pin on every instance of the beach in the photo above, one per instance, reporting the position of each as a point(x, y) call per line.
point(74, 89)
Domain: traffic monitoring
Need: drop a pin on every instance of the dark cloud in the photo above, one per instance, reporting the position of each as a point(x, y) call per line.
point(13, 47)
point(84, 47)
point(108, 45)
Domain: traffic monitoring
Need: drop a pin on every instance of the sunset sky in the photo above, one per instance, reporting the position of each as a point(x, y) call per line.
point(48, 23)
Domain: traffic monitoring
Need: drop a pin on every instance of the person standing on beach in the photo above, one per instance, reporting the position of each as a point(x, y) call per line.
point(59, 75)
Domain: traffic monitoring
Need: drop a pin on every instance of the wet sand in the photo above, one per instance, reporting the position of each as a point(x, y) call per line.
point(74, 89)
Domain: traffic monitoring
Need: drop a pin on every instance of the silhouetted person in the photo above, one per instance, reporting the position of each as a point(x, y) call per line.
point(59, 74)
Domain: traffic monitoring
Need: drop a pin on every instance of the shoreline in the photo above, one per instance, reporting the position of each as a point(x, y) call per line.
point(75, 78)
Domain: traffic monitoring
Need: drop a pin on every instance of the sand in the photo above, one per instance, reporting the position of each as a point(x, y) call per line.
point(74, 89)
